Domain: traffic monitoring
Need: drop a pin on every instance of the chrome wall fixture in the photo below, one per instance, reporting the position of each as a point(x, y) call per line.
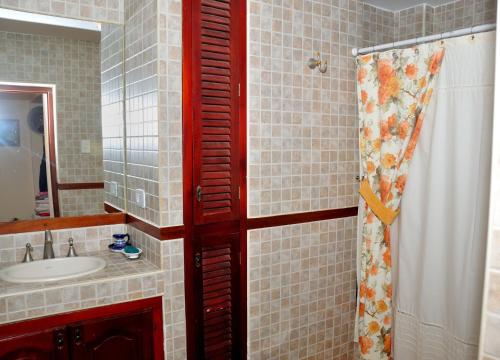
point(316, 62)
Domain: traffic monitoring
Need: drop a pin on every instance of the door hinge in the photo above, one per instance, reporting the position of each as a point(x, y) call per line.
point(239, 256)
point(239, 192)
point(239, 89)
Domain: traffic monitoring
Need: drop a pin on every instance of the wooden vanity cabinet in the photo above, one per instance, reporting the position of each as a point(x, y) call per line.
point(47, 344)
point(128, 331)
point(121, 337)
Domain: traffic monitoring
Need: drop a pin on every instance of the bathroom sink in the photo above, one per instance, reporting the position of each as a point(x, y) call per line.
point(52, 269)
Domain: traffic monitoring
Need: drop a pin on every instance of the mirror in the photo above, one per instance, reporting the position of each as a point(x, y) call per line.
point(61, 117)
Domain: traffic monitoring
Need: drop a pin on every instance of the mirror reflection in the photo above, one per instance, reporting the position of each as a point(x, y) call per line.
point(61, 119)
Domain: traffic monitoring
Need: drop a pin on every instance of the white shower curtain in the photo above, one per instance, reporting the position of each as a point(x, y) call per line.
point(440, 236)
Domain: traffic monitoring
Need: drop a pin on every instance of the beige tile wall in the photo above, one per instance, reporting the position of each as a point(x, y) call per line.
point(112, 108)
point(174, 312)
point(378, 26)
point(81, 202)
point(170, 111)
point(301, 291)
point(302, 136)
point(462, 14)
point(169, 255)
point(141, 77)
point(153, 103)
point(147, 282)
point(89, 239)
point(94, 10)
point(424, 20)
point(409, 23)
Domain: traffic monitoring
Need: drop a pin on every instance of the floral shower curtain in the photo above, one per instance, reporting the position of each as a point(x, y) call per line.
point(394, 89)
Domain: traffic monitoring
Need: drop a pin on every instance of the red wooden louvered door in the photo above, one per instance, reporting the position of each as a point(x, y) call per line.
point(216, 61)
point(218, 301)
point(215, 100)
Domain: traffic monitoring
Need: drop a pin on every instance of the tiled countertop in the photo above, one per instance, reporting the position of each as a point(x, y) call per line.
point(117, 266)
point(121, 280)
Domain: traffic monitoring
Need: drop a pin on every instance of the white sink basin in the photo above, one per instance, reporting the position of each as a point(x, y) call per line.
point(52, 269)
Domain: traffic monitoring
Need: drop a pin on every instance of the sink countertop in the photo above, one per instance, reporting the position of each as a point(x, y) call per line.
point(117, 266)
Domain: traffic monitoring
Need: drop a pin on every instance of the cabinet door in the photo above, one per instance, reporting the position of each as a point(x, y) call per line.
point(217, 283)
point(49, 344)
point(215, 101)
point(128, 337)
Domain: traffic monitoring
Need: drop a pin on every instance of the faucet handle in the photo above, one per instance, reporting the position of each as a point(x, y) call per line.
point(27, 255)
point(71, 250)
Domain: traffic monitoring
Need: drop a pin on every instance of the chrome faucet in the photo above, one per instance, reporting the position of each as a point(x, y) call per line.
point(48, 250)
point(27, 256)
point(71, 249)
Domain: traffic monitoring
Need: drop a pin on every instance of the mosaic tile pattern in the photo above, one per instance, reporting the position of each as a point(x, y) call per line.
point(174, 313)
point(428, 20)
point(168, 255)
point(409, 23)
point(141, 76)
point(301, 293)
point(94, 10)
point(378, 26)
point(463, 13)
point(78, 296)
point(170, 111)
point(81, 202)
point(112, 108)
point(302, 145)
point(425, 20)
point(154, 108)
point(86, 239)
point(150, 245)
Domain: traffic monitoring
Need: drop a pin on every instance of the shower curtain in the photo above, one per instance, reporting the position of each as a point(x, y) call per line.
point(441, 232)
point(394, 89)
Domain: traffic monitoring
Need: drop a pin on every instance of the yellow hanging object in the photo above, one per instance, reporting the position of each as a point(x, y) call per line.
point(386, 215)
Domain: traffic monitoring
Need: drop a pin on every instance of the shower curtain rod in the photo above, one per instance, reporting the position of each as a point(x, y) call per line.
point(424, 39)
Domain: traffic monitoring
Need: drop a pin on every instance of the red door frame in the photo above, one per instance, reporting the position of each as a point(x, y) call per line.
point(188, 188)
point(30, 89)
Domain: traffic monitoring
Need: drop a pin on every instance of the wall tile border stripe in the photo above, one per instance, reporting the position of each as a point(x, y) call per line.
point(298, 218)
point(175, 232)
point(80, 186)
point(160, 233)
point(115, 216)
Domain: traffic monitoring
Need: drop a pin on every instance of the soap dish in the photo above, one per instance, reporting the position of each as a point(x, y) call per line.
point(118, 248)
point(131, 255)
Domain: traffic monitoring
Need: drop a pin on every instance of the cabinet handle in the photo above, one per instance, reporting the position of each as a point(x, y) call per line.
point(197, 260)
point(198, 193)
point(78, 335)
point(59, 339)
